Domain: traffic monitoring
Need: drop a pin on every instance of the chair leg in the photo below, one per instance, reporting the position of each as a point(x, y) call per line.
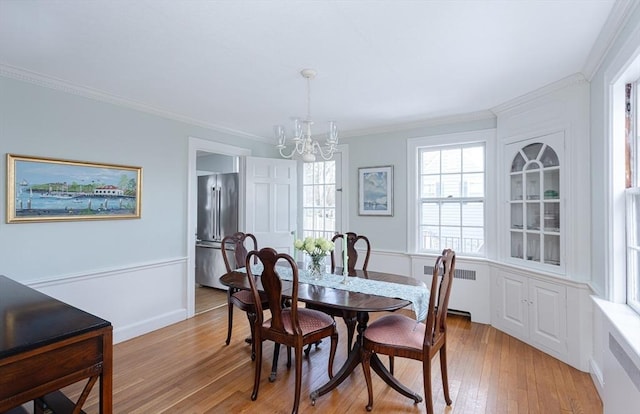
point(298, 386)
point(308, 348)
point(366, 369)
point(274, 365)
point(426, 378)
point(443, 370)
point(288, 357)
point(252, 325)
point(391, 364)
point(258, 366)
point(230, 319)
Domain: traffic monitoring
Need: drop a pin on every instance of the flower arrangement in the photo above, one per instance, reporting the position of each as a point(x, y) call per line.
point(317, 249)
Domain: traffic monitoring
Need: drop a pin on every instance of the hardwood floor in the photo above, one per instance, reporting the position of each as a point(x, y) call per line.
point(208, 298)
point(186, 368)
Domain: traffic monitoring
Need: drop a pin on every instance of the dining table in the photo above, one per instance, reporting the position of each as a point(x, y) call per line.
point(360, 292)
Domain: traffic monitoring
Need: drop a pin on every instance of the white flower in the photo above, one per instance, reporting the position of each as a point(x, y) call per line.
point(314, 247)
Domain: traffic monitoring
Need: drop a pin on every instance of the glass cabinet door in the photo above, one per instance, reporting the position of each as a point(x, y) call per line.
point(534, 199)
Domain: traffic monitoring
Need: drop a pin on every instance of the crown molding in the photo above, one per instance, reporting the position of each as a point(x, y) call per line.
point(34, 78)
point(425, 123)
point(619, 16)
point(574, 79)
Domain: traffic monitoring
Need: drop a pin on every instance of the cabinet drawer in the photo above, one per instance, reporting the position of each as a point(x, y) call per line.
point(51, 367)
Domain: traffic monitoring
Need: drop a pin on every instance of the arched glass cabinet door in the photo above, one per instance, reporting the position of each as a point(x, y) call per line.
point(535, 227)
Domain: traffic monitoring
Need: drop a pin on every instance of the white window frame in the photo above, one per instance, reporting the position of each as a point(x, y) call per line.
point(486, 137)
point(632, 195)
point(627, 70)
point(342, 193)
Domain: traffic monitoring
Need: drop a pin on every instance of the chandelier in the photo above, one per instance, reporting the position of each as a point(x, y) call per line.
point(304, 144)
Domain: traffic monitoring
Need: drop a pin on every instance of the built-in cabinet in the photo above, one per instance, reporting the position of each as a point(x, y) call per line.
point(539, 290)
point(535, 202)
point(532, 310)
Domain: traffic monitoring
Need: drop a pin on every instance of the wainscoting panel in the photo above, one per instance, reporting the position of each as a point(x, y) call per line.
point(136, 299)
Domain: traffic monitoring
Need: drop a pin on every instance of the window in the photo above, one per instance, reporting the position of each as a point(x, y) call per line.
point(319, 199)
point(632, 182)
point(451, 191)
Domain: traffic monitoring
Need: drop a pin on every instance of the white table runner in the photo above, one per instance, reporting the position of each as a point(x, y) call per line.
point(417, 295)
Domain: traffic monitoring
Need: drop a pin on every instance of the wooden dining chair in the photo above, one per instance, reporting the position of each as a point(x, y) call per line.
point(349, 317)
point(401, 336)
point(352, 253)
point(291, 326)
point(242, 299)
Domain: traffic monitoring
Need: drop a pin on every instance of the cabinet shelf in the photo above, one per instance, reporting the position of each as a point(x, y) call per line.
point(534, 197)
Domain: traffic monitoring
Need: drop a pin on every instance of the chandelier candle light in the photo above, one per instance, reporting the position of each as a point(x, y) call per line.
point(304, 144)
point(345, 260)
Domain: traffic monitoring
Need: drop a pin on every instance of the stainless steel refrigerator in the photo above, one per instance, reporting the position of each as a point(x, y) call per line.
point(217, 218)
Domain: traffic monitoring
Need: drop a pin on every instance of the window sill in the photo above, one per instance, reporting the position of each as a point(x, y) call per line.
point(627, 324)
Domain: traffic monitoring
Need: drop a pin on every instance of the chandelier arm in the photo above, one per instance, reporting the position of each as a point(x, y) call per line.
point(326, 155)
point(283, 155)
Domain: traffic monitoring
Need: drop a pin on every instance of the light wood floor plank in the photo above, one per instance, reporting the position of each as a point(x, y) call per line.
point(186, 368)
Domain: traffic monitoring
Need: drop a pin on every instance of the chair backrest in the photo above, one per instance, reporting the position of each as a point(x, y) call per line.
point(272, 287)
point(439, 298)
point(351, 238)
point(237, 240)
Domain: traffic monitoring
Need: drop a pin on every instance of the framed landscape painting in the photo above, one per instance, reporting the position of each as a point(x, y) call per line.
point(375, 191)
point(46, 189)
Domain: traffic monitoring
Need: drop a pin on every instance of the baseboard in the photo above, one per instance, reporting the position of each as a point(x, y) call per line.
point(596, 377)
point(133, 330)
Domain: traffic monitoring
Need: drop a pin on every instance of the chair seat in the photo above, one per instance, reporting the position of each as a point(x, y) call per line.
point(246, 297)
point(396, 330)
point(310, 320)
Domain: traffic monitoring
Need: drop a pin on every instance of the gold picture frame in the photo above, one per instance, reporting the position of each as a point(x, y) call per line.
point(48, 189)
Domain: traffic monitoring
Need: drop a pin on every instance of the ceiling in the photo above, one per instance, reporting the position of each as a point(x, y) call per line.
point(235, 65)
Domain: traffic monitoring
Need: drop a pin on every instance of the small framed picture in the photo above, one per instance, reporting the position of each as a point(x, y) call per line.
point(375, 191)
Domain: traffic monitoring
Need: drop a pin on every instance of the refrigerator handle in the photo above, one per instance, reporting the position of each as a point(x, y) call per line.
point(219, 212)
point(214, 212)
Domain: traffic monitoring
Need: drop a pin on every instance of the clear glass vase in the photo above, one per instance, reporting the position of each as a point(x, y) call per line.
point(315, 267)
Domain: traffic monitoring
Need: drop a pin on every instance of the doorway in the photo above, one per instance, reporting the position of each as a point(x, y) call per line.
point(208, 151)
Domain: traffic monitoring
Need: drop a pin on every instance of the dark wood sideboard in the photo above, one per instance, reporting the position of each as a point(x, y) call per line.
point(45, 345)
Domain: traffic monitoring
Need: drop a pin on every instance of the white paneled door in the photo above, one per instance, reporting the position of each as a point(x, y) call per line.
point(271, 202)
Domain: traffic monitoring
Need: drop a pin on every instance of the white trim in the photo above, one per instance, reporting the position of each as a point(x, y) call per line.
point(148, 325)
point(99, 274)
point(195, 145)
point(425, 123)
point(543, 92)
point(344, 172)
point(624, 67)
point(50, 82)
point(616, 20)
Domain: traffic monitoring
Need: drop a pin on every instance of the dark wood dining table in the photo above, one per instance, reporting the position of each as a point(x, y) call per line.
point(348, 302)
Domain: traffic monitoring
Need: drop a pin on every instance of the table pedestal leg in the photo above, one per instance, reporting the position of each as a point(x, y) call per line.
point(354, 358)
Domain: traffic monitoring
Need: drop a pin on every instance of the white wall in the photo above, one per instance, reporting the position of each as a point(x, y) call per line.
point(390, 148)
point(131, 272)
